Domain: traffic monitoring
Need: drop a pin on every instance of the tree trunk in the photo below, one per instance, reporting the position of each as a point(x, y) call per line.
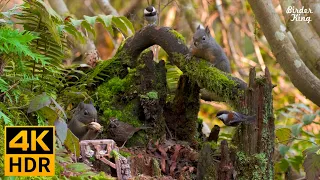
point(251, 153)
point(255, 142)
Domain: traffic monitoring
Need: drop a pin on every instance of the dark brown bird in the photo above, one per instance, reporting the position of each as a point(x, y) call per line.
point(120, 131)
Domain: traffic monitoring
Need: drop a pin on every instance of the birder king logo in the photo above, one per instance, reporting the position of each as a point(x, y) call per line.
point(29, 151)
point(299, 14)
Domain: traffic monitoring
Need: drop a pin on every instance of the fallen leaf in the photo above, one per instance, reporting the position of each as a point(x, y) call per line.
point(174, 159)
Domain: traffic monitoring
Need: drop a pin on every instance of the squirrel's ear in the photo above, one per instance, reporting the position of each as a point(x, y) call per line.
point(198, 27)
point(207, 30)
point(90, 102)
point(81, 105)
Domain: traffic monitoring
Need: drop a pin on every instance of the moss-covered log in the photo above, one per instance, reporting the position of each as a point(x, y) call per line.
point(222, 84)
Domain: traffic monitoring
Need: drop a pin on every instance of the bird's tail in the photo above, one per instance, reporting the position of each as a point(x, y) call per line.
point(251, 119)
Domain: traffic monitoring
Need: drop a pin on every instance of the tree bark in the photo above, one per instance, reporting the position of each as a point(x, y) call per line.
point(308, 41)
point(182, 114)
point(302, 78)
point(314, 5)
point(255, 142)
point(60, 7)
point(107, 8)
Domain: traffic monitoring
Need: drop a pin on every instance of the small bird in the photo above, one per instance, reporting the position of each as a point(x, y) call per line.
point(150, 15)
point(120, 131)
point(231, 118)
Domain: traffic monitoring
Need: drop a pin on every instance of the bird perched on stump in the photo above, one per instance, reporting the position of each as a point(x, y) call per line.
point(120, 131)
point(150, 15)
point(231, 118)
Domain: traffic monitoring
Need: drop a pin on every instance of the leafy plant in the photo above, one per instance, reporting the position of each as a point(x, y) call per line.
point(293, 138)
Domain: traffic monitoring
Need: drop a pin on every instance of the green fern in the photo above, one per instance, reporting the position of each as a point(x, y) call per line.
point(13, 41)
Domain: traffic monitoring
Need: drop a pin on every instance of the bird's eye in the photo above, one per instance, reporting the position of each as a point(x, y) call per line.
point(203, 38)
point(86, 112)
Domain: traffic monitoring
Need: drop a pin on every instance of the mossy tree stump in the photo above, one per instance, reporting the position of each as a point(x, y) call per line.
point(126, 94)
point(254, 143)
point(250, 154)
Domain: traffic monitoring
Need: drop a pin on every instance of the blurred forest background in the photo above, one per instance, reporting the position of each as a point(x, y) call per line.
point(233, 25)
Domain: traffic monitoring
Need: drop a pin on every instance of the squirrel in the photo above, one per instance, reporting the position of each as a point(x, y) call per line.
point(84, 123)
point(205, 46)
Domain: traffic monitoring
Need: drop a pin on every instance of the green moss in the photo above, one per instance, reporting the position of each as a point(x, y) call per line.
point(150, 95)
point(125, 154)
point(208, 77)
point(178, 36)
point(115, 154)
point(253, 167)
point(156, 168)
point(113, 102)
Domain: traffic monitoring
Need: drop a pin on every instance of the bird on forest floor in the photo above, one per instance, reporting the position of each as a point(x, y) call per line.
point(121, 131)
point(232, 118)
point(150, 15)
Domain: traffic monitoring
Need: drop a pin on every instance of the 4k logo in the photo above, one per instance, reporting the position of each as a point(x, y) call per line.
point(29, 151)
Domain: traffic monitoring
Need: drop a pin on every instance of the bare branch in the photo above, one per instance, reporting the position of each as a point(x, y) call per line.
point(308, 41)
point(107, 8)
point(315, 16)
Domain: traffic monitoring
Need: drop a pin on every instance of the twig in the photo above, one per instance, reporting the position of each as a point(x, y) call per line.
point(21, 107)
point(168, 130)
point(11, 87)
point(88, 4)
point(169, 2)
point(259, 56)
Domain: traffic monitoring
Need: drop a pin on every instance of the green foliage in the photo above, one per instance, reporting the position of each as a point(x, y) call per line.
point(15, 42)
point(173, 75)
point(38, 102)
point(72, 143)
point(32, 73)
point(88, 23)
point(311, 163)
point(78, 167)
point(293, 138)
point(283, 135)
